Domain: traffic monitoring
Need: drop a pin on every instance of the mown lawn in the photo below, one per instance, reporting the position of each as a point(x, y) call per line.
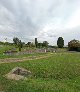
point(58, 73)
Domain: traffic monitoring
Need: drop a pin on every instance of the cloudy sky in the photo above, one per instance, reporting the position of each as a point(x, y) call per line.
point(44, 19)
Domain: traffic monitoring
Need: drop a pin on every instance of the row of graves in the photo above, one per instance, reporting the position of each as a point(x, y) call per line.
point(41, 50)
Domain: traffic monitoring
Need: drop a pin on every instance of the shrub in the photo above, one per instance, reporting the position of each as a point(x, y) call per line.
point(74, 45)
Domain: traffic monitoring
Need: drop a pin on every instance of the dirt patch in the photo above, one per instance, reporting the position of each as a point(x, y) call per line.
point(18, 74)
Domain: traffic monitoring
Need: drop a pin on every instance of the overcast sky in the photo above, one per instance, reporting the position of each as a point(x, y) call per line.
point(44, 19)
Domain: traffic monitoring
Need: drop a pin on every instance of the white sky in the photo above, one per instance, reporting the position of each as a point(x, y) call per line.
point(44, 19)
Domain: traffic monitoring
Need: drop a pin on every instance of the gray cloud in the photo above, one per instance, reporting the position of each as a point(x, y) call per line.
point(45, 19)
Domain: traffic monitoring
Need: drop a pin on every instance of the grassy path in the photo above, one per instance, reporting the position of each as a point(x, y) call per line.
point(9, 60)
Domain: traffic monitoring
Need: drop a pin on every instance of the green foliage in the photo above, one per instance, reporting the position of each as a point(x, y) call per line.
point(45, 44)
point(60, 42)
point(18, 43)
point(74, 45)
point(16, 40)
point(1, 43)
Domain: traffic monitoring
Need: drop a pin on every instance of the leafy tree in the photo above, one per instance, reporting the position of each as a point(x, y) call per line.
point(74, 45)
point(18, 43)
point(60, 42)
point(45, 44)
point(16, 40)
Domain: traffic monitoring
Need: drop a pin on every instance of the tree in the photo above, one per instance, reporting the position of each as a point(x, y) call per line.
point(60, 42)
point(45, 44)
point(36, 42)
point(74, 45)
point(18, 43)
point(16, 40)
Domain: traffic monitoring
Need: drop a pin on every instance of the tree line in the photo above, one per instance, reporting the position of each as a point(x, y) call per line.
point(73, 45)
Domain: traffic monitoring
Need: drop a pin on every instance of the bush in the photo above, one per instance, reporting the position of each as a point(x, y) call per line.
point(74, 45)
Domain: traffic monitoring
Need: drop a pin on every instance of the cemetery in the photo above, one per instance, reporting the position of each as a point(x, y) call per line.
point(39, 45)
point(39, 69)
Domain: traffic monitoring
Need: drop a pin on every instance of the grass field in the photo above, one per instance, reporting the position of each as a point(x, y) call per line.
point(58, 73)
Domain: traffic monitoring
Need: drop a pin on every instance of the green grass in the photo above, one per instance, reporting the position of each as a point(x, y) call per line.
point(58, 73)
